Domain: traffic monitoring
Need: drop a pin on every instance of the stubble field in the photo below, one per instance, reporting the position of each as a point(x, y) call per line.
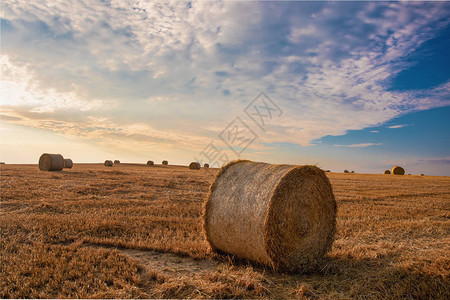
point(133, 231)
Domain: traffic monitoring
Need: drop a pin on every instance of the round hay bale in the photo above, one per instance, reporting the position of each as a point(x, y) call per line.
point(283, 216)
point(150, 163)
point(108, 163)
point(117, 161)
point(68, 163)
point(398, 170)
point(165, 162)
point(194, 165)
point(51, 162)
point(206, 165)
point(387, 172)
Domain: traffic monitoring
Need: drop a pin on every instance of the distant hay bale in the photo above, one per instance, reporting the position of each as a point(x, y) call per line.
point(165, 162)
point(51, 162)
point(108, 163)
point(387, 172)
point(398, 170)
point(117, 161)
point(150, 163)
point(422, 174)
point(68, 163)
point(283, 216)
point(194, 165)
point(206, 166)
point(2, 163)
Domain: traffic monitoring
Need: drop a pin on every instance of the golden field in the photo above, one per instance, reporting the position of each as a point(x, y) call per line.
point(133, 231)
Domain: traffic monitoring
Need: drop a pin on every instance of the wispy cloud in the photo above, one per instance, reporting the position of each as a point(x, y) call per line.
point(397, 126)
point(374, 131)
point(445, 161)
point(178, 74)
point(363, 145)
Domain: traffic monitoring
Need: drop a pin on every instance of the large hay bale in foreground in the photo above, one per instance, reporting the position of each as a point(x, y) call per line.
point(68, 163)
point(283, 216)
point(150, 163)
point(194, 165)
point(398, 170)
point(117, 161)
point(108, 163)
point(51, 162)
point(387, 172)
point(165, 162)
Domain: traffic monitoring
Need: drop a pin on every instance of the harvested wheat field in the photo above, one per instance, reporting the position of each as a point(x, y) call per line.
point(130, 231)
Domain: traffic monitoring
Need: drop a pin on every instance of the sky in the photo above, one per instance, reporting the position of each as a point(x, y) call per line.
point(361, 86)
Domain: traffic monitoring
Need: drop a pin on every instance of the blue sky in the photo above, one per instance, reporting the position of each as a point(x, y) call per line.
point(357, 85)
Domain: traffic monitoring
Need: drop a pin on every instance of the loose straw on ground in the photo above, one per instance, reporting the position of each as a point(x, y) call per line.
point(68, 163)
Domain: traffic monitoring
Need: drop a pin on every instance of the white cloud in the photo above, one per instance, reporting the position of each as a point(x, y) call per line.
point(299, 34)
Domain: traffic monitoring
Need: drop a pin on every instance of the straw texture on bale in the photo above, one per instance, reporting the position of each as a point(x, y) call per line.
point(398, 170)
point(108, 163)
point(117, 161)
point(283, 216)
point(194, 165)
point(68, 163)
point(51, 162)
point(387, 172)
point(150, 163)
point(206, 165)
point(165, 162)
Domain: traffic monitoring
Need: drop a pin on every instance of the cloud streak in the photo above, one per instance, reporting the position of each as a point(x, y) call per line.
point(362, 145)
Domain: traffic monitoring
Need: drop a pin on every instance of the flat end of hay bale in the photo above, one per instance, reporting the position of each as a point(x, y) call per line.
point(397, 170)
point(150, 163)
point(165, 162)
point(305, 195)
point(194, 165)
point(108, 163)
point(68, 163)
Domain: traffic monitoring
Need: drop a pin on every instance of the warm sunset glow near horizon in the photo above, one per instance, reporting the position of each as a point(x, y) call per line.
point(361, 86)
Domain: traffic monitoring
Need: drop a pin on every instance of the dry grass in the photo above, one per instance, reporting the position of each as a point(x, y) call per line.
point(136, 232)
